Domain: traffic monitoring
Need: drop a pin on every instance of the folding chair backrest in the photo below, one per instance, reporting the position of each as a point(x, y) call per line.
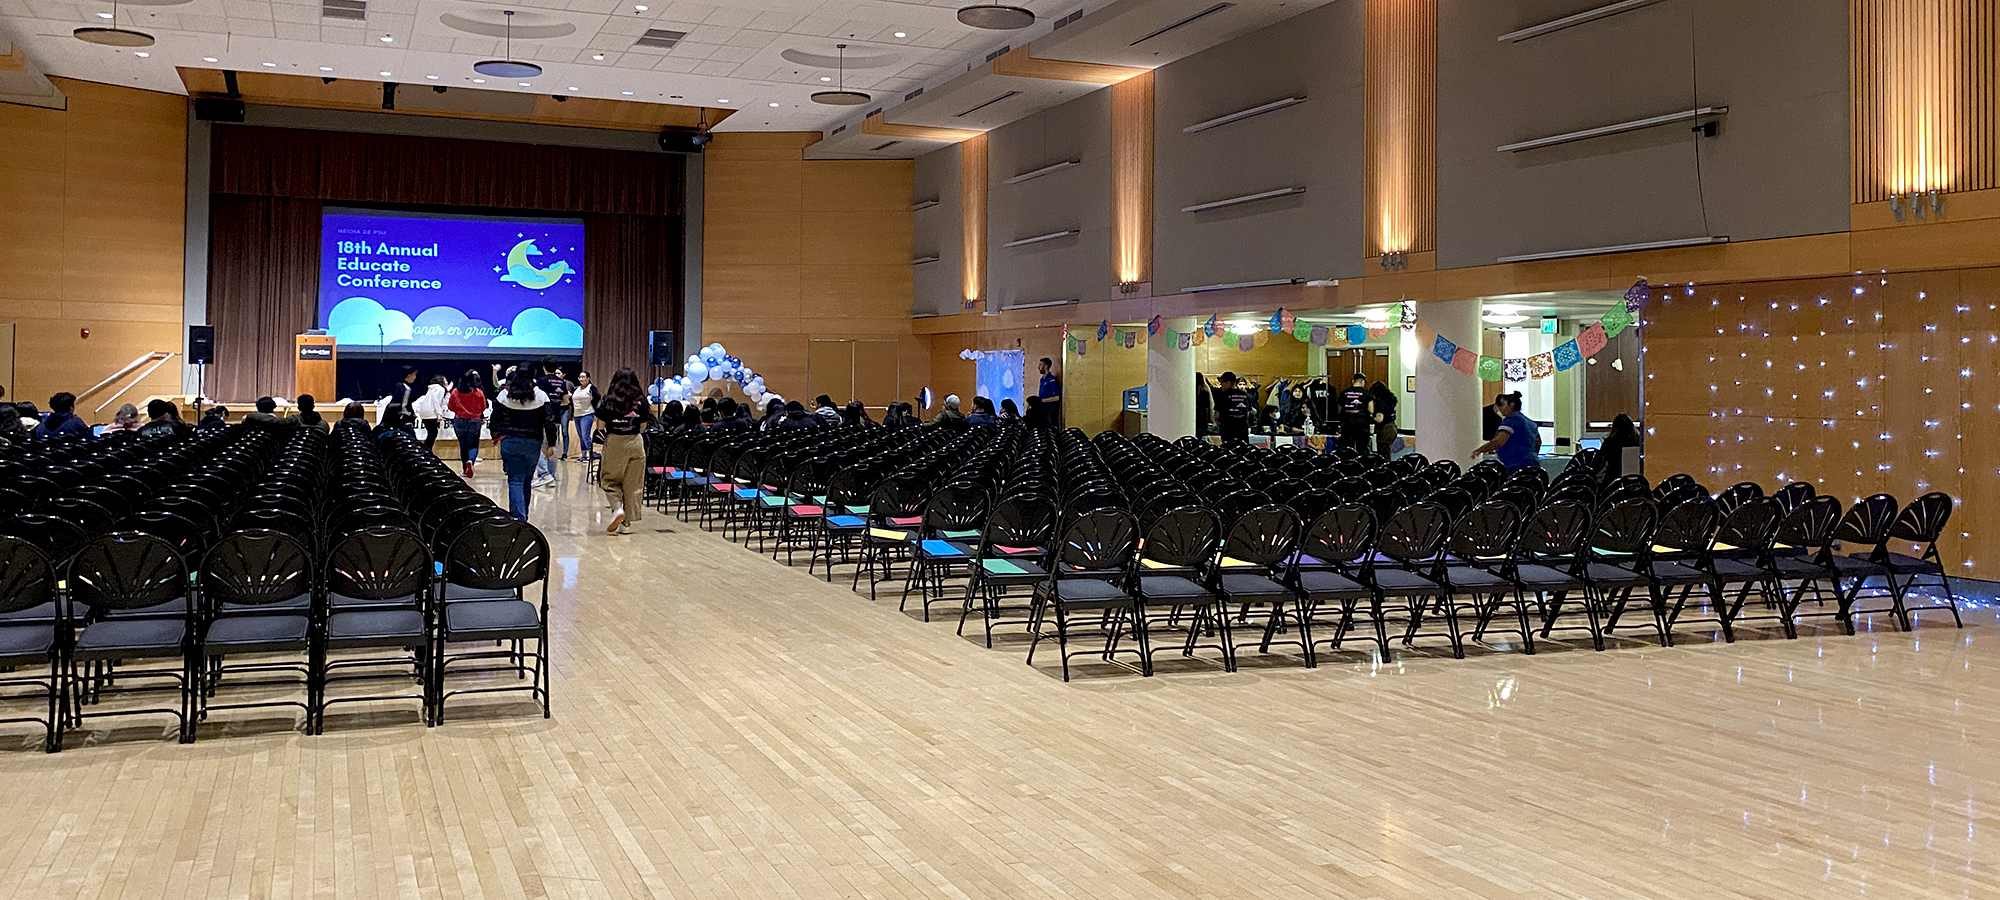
point(1484, 532)
point(1556, 531)
point(1415, 533)
point(1868, 521)
point(1737, 495)
point(498, 552)
point(1263, 537)
point(378, 563)
point(1099, 542)
point(127, 570)
point(1626, 527)
point(1791, 495)
point(1181, 537)
point(1752, 525)
point(1923, 520)
point(1340, 536)
point(1687, 525)
point(1811, 525)
point(955, 507)
point(26, 581)
point(255, 567)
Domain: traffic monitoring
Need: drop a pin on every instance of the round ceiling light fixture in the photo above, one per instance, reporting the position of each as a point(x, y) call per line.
point(997, 17)
point(509, 67)
point(841, 96)
point(113, 36)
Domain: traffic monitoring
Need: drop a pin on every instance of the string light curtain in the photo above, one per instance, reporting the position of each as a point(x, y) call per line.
point(1924, 96)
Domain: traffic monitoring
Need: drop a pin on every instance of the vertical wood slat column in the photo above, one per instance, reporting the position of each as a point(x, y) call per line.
point(1400, 127)
point(972, 210)
point(1923, 98)
point(1132, 178)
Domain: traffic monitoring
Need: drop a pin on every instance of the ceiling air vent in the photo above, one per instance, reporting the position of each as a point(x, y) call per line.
point(351, 10)
point(998, 53)
point(1190, 20)
point(1069, 20)
point(838, 130)
point(984, 105)
point(881, 147)
point(660, 37)
point(913, 95)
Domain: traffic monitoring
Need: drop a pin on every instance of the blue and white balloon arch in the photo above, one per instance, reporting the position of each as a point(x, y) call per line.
point(710, 363)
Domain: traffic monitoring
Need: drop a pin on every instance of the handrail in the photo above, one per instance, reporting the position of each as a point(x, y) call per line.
point(156, 357)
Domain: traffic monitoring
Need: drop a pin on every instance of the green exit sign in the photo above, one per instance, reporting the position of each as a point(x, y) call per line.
point(1549, 324)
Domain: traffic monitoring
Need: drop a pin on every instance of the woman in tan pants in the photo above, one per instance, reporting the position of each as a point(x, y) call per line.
point(623, 413)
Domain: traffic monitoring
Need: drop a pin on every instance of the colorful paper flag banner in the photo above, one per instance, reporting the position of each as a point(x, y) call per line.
point(1615, 322)
point(1567, 356)
point(1637, 295)
point(1103, 328)
point(1208, 327)
point(1154, 326)
point(1591, 340)
point(1319, 336)
point(1184, 340)
point(1491, 368)
point(1516, 370)
point(1443, 349)
point(1541, 365)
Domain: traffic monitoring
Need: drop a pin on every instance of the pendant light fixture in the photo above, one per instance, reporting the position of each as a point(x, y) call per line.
point(841, 96)
point(509, 67)
point(114, 36)
point(995, 16)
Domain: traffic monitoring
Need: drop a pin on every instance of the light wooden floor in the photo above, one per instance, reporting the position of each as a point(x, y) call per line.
point(729, 728)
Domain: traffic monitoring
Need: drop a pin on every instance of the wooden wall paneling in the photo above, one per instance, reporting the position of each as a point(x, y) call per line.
point(877, 373)
point(1401, 125)
point(829, 370)
point(1926, 89)
point(96, 209)
point(972, 206)
point(1976, 523)
point(1610, 389)
point(7, 357)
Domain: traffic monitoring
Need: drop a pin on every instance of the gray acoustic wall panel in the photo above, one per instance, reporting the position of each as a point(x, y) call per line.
point(939, 286)
point(1777, 168)
point(1077, 198)
point(1316, 145)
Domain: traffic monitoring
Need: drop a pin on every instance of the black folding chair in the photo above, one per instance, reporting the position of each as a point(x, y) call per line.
point(1251, 571)
point(142, 577)
point(1922, 523)
point(32, 624)
point(1085, 572)
point(495, 555)
point(257, 592)
point(1170, 578)
point(378, 597)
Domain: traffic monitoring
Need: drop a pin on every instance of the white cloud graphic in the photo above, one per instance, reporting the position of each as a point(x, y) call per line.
point(537, 327)
point(359, 320)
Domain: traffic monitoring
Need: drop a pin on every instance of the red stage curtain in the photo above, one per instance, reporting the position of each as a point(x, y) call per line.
point(263, 289)
point(381, 168)
point(629, 289)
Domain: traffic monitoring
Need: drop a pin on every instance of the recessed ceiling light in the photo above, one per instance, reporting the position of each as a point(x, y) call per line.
point(524, 84)
point(722, 101)
point(626, 93)
point(478, 81)
point(826, 78)
point(902, 34)
point(385, 75)
point(272, 65)
point(774, 105)
point(596, 56)
point(321, 68)
point(141, 54)
point(388, 39)
point(431, 77)
point(104, 15)
point(572, 87)
point(210, 59)
point(639, 8)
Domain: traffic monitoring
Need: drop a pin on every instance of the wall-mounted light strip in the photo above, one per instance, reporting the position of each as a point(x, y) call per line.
point(1033, 174)
point(1686, 115)
point(1246, 198)
point(1619, 248)
point(1190, 20)
point(921, 260)
point(925, 315)
point(1037, 305)
point(1202, 289)
point(1040, 238)
point(1242, 114)
point(924, 204)
point(1589, 15)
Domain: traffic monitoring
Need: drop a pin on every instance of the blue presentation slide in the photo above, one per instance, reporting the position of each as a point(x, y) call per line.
point(430, 283)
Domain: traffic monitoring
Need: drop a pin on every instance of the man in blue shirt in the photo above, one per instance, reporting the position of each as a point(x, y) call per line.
point(61, 421)
point(1050, 393)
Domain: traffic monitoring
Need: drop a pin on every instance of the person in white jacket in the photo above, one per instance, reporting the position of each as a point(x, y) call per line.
point(430, 410)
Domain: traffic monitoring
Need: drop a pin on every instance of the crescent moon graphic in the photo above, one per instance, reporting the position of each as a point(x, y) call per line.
point(521, 272)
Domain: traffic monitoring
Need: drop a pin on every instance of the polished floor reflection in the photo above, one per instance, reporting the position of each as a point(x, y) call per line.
point(729, 727)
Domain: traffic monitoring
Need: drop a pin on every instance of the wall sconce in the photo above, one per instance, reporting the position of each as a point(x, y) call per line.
point(1395, 260)
point(1128, 287)
point(1917, 203)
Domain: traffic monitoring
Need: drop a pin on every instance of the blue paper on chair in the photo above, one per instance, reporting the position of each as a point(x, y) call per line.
point(942, 548)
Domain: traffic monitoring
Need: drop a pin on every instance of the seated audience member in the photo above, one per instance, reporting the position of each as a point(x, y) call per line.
point(797, 417)
point(670, 414)
point(774, 410)
point(1008, 411)
point(355, 411)
point(1036, 417)
point(216, 419)
point(395, 421)
point(61, 421)
point(899, 416)
point(30, 416)
point(982, 413)
point(950, 417)
point(162, 418)
point(125, 419)
point(308, 417)
point(690, 421)
point(823, 407)
point(854, 413)
point(727, 416)
point(10, 420)
point(266, 415)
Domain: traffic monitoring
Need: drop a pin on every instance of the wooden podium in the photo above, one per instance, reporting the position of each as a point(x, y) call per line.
point(315, 369)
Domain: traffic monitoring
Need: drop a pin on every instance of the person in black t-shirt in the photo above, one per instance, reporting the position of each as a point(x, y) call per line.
point(1355, 426)
point(1233, 410)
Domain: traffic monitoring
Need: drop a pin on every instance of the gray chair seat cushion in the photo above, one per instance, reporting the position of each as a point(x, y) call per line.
point(1734, 570)
point(249, 634)
point(175, 608)
point(378, 628)
point(1606, 573)
point(1243, 587)
point(491, 620)
point(1089, 593)
point(1322, 583)
point(41, 612)
point(300, 603)
point(1398, 581)
point(461, 592)
point(1171, 588)
point(1472, 578)
point(25, 643)
point(342, 601)
point(1676, 573)
point(131, 637)
point(1904, 564)
point(1543, 579)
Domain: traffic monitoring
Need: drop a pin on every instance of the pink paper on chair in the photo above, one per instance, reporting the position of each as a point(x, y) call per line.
point(1016, 550)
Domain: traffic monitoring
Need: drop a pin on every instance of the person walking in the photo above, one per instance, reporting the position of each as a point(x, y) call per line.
point(1382, 409)
point(467, 406)
point(1233, 410)
point(1356, 426)
point(583, 400)
point(404, 392)
point(430, 410)
point(621, 471)
point(525, 424)
point(548, 377)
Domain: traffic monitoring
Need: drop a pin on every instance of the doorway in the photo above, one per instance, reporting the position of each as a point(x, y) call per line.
point(1372, 362)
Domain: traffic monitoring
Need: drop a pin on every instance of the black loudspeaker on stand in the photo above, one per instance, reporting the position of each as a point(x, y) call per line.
point(200, 352)
point(660, 352)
